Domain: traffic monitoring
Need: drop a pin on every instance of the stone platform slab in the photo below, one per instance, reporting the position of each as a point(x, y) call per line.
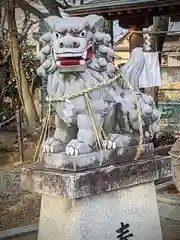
point(85, 183)
point(61, 161)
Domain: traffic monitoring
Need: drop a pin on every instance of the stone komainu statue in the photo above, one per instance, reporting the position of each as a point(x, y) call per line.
point(95, 106)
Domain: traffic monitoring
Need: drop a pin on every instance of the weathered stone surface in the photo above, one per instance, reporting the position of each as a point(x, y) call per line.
point(98, 217)
point(86, 183)
point(102, 158)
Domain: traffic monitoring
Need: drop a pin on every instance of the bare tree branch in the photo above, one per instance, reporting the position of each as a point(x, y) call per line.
point(26, 30)
point(51, 6)
point(4, 15)
point(26, 6)
point(26, 19)
point(5, 59)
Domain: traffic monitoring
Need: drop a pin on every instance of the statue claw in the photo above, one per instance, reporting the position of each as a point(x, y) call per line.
point(52, 149)
point(75, 148)
point(52, 145)
point(72, 151)
point(46, 148)
point(76, 152)
point(110, 145)
point(116, 141)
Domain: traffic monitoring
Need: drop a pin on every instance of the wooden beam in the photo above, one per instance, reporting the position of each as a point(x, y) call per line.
point(144, 12)
point(175, 18)
point(158, 32)
point(110, 14)
point(120, 13)
point(172, 7)
point(139, 10)
point(160, 8)
point(130, 6)
point(129, 11)
point(127, 20)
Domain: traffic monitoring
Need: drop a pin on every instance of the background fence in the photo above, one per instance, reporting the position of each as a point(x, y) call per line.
point(169, 105)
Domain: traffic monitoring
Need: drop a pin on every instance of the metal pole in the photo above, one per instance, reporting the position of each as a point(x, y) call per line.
point(20, 133)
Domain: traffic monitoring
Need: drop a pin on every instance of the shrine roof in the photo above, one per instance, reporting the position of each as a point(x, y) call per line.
point(106, 6)
point(109, 3)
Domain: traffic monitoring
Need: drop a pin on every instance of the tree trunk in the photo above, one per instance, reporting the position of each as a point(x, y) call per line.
point(2, 86)
point(2, 67)
point(22, 84)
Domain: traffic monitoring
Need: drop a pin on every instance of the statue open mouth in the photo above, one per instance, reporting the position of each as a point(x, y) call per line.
point(75, 59)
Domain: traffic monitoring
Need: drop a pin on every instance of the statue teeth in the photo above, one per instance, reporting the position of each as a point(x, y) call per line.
point(58, 63)
point(82, 62)
point(84, 55)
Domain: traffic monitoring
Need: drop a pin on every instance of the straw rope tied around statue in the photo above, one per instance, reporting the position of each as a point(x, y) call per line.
point(45, 129)
point(99, 133)
point(83, 54)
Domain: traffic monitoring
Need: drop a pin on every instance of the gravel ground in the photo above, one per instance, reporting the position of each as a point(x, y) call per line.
point(18, 209)
point(170, 229)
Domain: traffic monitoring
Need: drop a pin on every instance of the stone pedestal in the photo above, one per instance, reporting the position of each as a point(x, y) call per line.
point(99, 216)
point(100, 203)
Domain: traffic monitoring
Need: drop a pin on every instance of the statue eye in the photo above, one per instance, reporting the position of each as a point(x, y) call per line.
point(83, 34)
point(58, 35)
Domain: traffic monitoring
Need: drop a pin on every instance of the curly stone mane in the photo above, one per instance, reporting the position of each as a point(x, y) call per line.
point(102, 58)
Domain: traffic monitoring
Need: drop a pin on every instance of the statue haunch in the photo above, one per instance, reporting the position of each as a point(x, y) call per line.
point(77, 56)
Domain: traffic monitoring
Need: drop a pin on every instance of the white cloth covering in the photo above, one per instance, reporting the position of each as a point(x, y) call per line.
point(142, 70)
point(150, 75)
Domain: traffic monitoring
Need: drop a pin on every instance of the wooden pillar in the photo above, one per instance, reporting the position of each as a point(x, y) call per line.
point(111, 32)
point(136, 39)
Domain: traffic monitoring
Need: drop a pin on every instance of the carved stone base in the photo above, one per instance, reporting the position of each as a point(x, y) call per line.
point(96, 159)
point(85, 183)
point(91, 204)
point(99, 217)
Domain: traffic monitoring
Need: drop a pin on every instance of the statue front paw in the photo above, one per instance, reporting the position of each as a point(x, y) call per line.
point(117, 141)
point(53, 145)
point(75, 148)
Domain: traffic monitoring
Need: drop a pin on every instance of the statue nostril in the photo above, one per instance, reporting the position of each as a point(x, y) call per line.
point(61, 45)
point(75, 44)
